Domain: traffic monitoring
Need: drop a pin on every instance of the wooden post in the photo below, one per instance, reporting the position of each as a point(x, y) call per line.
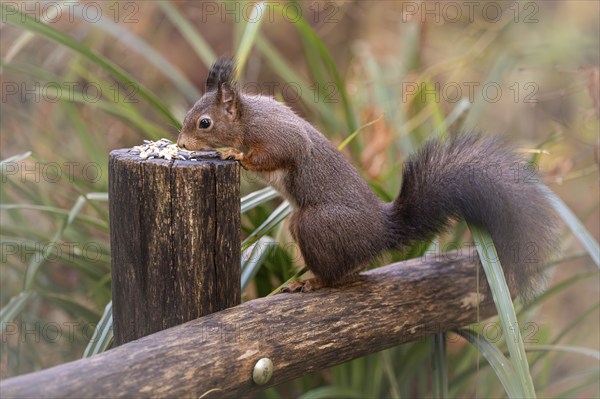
point(175, 241)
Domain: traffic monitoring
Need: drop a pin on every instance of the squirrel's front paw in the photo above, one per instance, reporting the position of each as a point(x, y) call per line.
point(232, 154)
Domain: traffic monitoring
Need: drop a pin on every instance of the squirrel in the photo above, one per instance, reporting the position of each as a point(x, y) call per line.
point(338, 222)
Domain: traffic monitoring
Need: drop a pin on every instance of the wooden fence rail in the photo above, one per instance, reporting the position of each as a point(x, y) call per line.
point(214, 356)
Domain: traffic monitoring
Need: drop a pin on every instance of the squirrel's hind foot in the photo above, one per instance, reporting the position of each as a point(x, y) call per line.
point(316, 283)
point(308, 285)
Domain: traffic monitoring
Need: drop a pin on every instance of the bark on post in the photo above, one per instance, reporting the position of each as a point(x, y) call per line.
point(175, 241)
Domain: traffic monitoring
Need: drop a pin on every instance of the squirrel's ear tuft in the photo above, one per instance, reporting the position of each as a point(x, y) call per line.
point(222, 71)
point(228, 99)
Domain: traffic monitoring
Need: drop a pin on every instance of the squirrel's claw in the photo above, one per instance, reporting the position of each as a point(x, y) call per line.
point(232, 154)
point(294, 286)
point(311, 284)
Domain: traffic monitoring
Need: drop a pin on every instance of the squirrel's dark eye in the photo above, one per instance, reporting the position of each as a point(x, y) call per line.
point(204, 123)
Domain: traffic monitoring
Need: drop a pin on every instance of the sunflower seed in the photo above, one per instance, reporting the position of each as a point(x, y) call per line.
point(163, 148)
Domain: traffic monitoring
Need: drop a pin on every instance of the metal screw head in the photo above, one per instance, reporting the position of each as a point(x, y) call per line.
point(263, 371)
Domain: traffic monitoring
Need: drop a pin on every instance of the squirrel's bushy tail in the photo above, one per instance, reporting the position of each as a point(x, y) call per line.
point(483, 181)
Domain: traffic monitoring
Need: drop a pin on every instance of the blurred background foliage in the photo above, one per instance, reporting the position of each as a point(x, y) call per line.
point(81, 80)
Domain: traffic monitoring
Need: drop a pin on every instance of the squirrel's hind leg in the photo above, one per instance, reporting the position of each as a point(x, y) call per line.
point(334, 242)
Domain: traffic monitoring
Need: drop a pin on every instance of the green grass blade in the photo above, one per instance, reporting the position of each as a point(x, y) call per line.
point(592, 310)
point(17, 46)
point(14, 307)
point(437, 115)
point(93, 145)
point(122, 105)
point(270, 393)
point(556, 289)
point(462, 106)
point(348, 139)
point(331, 392)
point(32, 70)
point(272, 221)
point(579, 350)
point(92, 198)
point(563, 379)
point(283, 69)
point(59, 211)
point(103, 334)
point(388, 369)
point(501, 365)
point(37, 262)
point(117, 109)
point(440, 369)
point(22, 192)
point(307, 31)
point(74, 260)
point(258, 197)
point(253, 258)
point(27, 22)
point(48, 15)
point(472, 119)
point(102, 196)
point(573, 392)
point(376, 76)
point(70, 305)
point(75, 209)
point(190, 33)
point(14, 158)
point(506, 311)
point(140, 46)
point(578, 229)
point(357, 373)
point(249, 37)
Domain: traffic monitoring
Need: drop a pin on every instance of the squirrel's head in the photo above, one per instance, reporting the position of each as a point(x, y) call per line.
point(214, 121)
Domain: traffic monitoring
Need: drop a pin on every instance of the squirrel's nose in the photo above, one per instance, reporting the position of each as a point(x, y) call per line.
point(180, 141)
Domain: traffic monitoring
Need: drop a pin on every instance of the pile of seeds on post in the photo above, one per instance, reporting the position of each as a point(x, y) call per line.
point(163, 148)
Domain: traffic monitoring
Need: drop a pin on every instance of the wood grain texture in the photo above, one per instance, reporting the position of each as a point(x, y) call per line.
point(215, 355)
point(175, 241)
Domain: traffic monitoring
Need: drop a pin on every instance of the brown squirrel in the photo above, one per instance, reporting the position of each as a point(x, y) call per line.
point(338, 222)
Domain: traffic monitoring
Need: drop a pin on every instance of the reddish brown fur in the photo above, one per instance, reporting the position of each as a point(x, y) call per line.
point(338, 222)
